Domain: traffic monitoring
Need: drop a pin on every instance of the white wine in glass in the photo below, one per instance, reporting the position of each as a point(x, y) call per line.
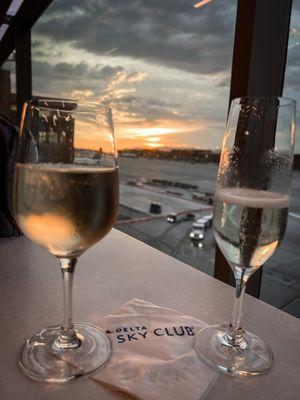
point(66, 195)
point(250, 215)
point(80, 200)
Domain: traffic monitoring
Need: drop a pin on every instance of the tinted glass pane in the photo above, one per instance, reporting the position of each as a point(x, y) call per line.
point(164, 68)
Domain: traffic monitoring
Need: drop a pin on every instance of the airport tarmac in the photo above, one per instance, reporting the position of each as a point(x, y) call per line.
point(281, 274)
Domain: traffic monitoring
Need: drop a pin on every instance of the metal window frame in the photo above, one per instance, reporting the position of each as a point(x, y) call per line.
point(258, 69)
point(4, 6)
point(18, 37)
point(258, 66)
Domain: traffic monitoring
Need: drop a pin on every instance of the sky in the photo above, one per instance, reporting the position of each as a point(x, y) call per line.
point(162, 65)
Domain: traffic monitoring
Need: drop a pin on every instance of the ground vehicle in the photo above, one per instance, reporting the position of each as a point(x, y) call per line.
point(155, 208)
point(197, 234)
point(189, 217)
point(172, 218)
point(199, 228)
point(202, 223)
point(207, 218)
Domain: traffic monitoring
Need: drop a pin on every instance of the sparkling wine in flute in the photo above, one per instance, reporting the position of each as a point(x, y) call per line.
point(249, 224)
point(65, 208)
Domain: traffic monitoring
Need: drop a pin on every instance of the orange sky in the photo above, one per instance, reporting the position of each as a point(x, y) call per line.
point(159, 133)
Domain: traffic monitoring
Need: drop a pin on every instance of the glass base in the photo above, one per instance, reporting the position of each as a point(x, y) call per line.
point(41, 360)
point(253, 357)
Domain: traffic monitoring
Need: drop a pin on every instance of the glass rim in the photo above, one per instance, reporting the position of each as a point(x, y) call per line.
point(284, 101)
point(92, 106)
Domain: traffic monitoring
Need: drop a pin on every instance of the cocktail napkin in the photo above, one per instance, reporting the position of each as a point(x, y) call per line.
point(153, 356)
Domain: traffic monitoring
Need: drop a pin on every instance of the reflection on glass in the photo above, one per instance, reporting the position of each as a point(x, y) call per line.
point(66, 199)
point(250, 214)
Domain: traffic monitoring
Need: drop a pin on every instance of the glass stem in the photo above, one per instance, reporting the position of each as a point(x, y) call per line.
point(67, 338)
point(235, 333)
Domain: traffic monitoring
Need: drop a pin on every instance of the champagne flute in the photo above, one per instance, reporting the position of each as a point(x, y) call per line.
point(250, 215)
point(66, 200)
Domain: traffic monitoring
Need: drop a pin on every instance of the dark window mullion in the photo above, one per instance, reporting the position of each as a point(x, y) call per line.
point(258, 67)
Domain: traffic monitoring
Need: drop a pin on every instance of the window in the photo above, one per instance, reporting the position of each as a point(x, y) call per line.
point(164, 68)
point(281, 274)
point(8, 88)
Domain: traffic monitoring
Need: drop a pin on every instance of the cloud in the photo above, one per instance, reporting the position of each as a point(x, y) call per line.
point(136, 106)
point(292, 78)
point(72, 79)
point(170, 33)
point(104, 72)
point(118, 88)
point(82, 94)
point(63, 70)
point(121, 85)
point(111, 85)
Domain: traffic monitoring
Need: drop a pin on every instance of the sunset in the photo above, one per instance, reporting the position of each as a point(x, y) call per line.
point(165, 72)
point(165, 89)
point(150, 185)
point(162, 134)
point(167, 84)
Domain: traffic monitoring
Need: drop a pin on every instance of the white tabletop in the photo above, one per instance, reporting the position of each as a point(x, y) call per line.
point(108, 275)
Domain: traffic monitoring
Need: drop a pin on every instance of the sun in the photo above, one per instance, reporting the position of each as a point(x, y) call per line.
point(153, 139)
point(153, 145)
point(155, 131)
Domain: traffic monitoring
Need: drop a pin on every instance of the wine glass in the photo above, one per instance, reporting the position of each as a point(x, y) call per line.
point(66, 200)
point(250, 215)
